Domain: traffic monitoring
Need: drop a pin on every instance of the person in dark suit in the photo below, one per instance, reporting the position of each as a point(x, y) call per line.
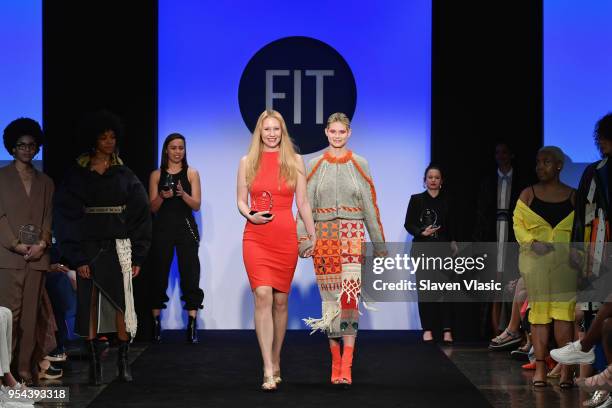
point(499, 192)
point(430, 221)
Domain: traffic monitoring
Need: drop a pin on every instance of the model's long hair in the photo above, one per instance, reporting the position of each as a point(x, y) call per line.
point(164, 156)
point(289, 166)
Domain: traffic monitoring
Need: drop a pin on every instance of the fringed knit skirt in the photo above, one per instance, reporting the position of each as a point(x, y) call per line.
point(337, 263)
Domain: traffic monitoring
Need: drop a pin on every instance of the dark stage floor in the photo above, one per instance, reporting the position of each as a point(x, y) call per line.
point(391, 369)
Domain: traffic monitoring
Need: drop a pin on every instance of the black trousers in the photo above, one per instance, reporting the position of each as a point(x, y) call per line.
point(186, 242)
point(436, 308)
point(436, 315)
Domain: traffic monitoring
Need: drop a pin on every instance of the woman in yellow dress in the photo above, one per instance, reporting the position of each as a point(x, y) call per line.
point(543, 220)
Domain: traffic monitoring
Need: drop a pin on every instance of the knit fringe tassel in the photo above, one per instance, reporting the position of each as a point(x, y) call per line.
point(330, 311)
point(351, 287)
point(124, 253)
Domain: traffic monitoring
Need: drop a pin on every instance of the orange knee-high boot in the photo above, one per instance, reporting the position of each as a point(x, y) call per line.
point(347, 363)
point(336, 375)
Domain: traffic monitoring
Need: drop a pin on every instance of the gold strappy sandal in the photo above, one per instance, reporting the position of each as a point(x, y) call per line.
point(269, 384)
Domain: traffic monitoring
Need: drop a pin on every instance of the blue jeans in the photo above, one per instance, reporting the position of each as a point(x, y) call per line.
point(63, 300)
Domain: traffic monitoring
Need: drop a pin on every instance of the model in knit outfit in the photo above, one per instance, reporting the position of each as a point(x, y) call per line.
point(343, 200)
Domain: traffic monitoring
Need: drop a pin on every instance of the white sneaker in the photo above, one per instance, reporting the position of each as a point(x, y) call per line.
point(599, 399)
point(606, 403)
point(572, 353)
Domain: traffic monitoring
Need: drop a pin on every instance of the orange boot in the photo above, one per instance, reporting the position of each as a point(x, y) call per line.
point(336, 376)
point(347, 363)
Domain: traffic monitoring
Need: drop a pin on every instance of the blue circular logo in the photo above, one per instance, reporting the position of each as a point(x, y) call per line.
point(304, 79)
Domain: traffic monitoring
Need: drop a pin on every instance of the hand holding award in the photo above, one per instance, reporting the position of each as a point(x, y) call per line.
point(167, 186)
point(30, 236)
point(429, 219)
point(261, 204)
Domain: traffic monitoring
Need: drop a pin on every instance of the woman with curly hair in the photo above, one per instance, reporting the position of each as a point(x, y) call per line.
point(103, 226)
point(25, 236)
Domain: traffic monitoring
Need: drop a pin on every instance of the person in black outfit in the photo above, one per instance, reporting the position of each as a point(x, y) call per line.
point(103, 228)
point(496, 199)
point(429, 221)
point(175, 193)
point(489, 208)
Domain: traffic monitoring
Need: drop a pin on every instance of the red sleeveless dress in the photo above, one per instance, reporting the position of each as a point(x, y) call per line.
point(270, 250)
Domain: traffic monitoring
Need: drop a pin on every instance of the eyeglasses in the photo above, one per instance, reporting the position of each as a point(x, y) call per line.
point(26, 146)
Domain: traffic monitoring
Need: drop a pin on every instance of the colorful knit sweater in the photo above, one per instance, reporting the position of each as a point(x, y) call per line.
point(342, 187)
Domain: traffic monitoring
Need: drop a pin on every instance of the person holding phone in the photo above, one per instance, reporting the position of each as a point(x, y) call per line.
point(272, 174)
point(175, 193)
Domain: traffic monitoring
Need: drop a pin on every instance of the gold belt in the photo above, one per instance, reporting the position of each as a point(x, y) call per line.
point(105, 210)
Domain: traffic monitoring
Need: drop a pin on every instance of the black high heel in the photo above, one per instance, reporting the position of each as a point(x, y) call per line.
point(539, 383)
point(157, 329)
point(95, 368)
point(192, 331)
point(123, 363)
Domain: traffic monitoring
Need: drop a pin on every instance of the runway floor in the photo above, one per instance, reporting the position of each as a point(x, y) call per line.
point(391, 369)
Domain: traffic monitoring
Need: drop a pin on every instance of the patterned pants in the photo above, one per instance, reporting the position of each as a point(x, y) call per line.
point(337, 262)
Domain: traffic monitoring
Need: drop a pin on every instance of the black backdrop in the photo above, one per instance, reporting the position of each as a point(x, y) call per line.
point(486, 85)
point(96, 55)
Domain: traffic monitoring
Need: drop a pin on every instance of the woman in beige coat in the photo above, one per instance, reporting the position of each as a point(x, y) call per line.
point(25, 235)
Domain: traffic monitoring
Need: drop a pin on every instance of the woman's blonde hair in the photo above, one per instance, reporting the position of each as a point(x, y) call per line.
point(289, 166)
point(339, 117)
point(555, 152)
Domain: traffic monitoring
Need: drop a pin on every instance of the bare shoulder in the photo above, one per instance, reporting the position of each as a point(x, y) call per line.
point(570, 193)
point(155, 174)
point(192, 171)
point(568, 189)
point(526, 195)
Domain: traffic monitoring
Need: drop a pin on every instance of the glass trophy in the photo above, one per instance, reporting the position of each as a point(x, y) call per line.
point(429, 218)
point(168, 182)
point(29, 234)
point(261, 202)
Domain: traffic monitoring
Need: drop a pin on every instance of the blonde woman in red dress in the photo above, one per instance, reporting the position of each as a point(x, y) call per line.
point(271, 169)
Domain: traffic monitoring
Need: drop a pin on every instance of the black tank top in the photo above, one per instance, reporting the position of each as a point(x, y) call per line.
point(174, 210)
point(553, 213)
